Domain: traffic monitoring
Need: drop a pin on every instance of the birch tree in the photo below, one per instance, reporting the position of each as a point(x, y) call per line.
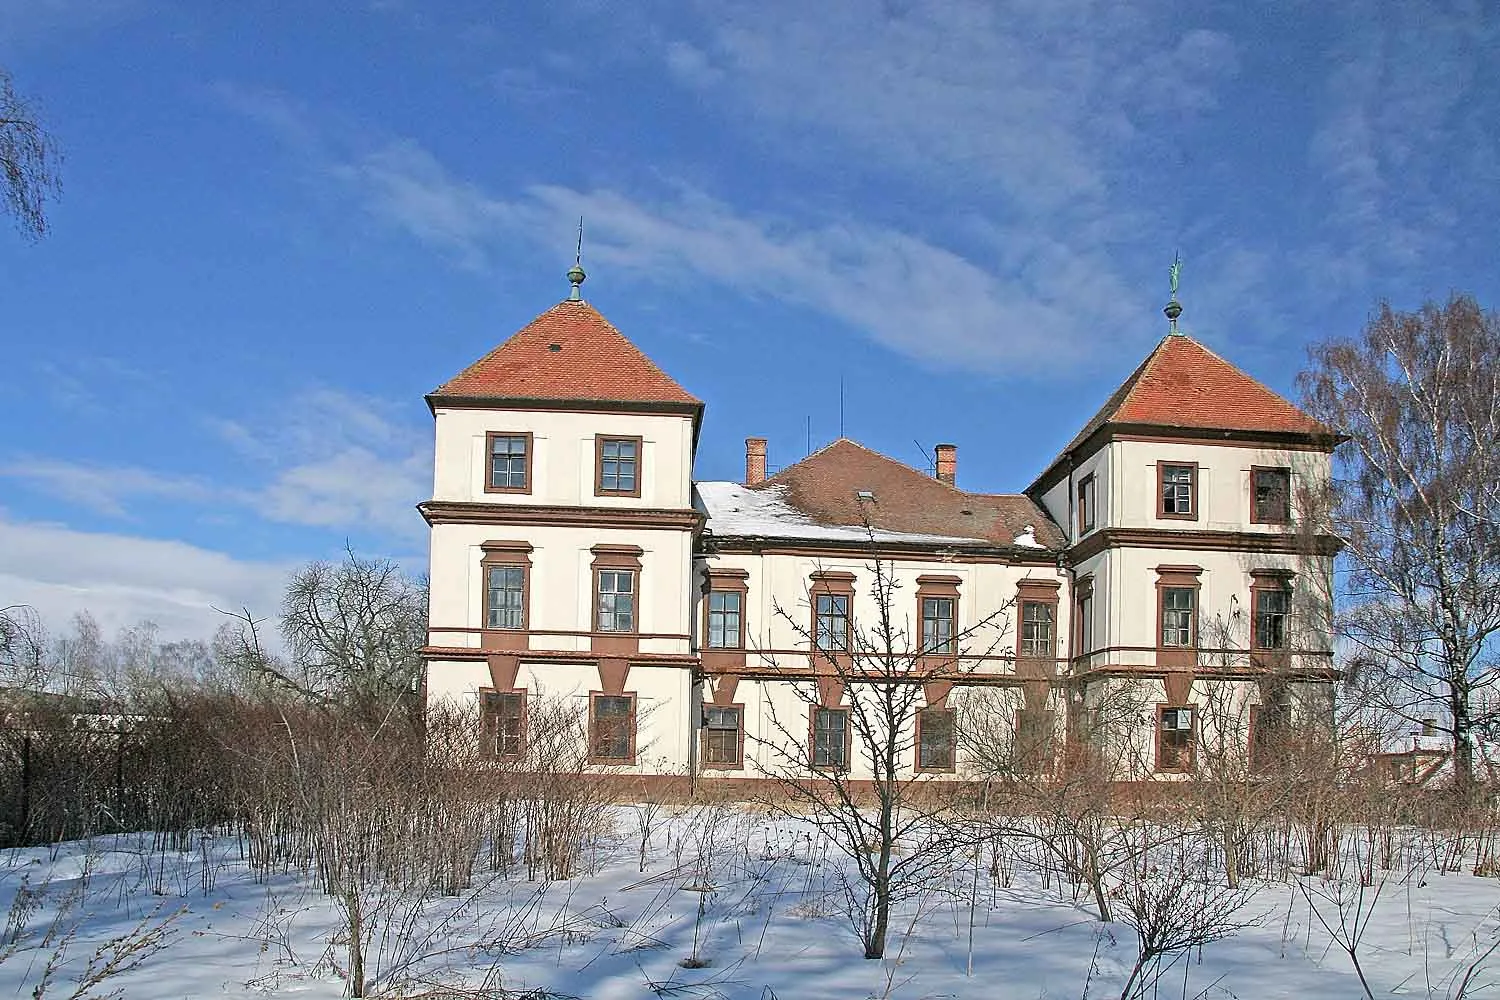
point(28, 162)
point(1417, 492)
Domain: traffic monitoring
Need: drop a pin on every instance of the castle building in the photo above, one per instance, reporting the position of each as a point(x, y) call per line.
point(1162, 586)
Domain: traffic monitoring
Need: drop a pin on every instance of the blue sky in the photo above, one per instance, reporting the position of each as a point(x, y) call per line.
point(283, 223)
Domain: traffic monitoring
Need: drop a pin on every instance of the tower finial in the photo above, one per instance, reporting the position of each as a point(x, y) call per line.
point(575, 273)
point(1174, 308)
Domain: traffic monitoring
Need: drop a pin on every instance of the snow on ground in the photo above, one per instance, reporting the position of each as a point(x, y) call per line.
point(735, 510)
point(771, 927)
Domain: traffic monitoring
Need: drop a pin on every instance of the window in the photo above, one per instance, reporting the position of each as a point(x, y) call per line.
point(1271, 498)
point(1087, 504)
point(505, 597)
point(619, 465)
point(509, 456)
point(616, 600)
point(722, 742)
point(832, 622)
point(1085, 623)
point(724, 619)
point(1034, 732)
point(612, 720)
point(936, 738)
point(1176, 738)
point(1271, 609)
point(505, 723)
point(938, 633)
point(1179, 484)
point(830, 738)
point(1036, 628)
point(1269, 728)
point(1177, 616)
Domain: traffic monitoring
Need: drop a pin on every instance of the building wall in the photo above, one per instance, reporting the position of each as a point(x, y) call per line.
point(561, 584)
point(563, 456)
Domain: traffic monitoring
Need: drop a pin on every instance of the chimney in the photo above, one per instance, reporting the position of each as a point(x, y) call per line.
point(947, 463)
point(1429, 727)
point(755, 461)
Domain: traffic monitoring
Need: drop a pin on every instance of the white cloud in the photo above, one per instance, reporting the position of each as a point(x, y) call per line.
point(915, 297)
point(326, 458)
point(123, 580)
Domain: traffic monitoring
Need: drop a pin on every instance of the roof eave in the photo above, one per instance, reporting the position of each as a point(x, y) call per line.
point(1108, 431)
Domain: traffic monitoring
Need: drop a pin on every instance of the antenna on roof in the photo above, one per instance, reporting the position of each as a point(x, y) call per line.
point(1174, 308)
point(929, 459)
point(809, 436)
point(841, 404)
point(575, 273)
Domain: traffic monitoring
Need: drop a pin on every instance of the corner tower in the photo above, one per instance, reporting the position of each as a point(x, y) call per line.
point(562, 530)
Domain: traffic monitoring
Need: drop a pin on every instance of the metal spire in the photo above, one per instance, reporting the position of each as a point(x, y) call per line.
point(575, 273)
point(1174, 308)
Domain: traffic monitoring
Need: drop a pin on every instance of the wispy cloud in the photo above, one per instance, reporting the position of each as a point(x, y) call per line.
point(326, 459)
point(1395, 143)
point(123, 580)
point(911, 295)
point(337, 460)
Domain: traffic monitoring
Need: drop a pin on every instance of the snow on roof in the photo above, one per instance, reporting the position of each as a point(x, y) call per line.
point(733, 509)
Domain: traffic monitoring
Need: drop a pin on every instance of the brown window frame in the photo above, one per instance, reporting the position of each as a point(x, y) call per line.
point(1083, 616)
point(615, 559)
point(812, 738)
point(738, 763)
point(1255, 518)
point(1088, 504)
point(489, 473)
point(1192, 749)
point(1262, 751)
point(951, 717)
point(1035, 759)
point(1037, 592)
point(640, 464)
point(708, 617)
point(594, 756)
point(936, 586)
point(835, 583)
point(1049, 651)
point(489, 700)
point(1258, 594)
point(1194, 497)
point(1178, 578)
point(499, 554)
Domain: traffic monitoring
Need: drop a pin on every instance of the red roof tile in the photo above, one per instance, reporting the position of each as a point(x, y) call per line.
point(825, 484)
point(1184, 384)
point(569, 352)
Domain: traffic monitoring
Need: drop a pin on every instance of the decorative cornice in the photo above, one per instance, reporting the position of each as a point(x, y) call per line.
point(1057, 471)
point(436, 512)
point(1202, 540)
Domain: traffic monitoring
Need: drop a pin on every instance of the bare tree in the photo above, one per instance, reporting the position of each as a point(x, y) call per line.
point(888, 817)
point(24, 662)
point(353, 632)
point(28, 161)
point(1419, 506)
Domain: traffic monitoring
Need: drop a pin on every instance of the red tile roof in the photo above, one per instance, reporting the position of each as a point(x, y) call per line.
point(569, 352)
point(1184, 384)
point(825, 484)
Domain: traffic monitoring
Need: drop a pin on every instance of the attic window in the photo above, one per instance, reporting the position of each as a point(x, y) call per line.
point(554, 347)
point(867, 496)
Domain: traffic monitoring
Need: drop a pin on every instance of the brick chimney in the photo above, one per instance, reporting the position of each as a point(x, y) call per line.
point(755, 461)
point(947, 463)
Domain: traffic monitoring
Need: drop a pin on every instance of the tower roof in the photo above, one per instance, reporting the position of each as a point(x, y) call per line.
point(1184, 386)
point(570, 353)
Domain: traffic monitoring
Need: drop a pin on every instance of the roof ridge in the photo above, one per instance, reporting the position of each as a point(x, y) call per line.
point(869, 451)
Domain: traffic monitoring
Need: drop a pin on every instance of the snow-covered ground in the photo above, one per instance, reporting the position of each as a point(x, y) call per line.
point(761, 896)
